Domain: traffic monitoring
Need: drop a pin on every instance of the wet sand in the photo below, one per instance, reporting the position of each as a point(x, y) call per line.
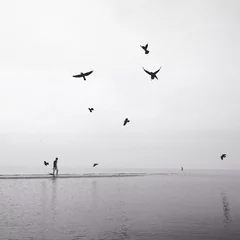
point(88, 175)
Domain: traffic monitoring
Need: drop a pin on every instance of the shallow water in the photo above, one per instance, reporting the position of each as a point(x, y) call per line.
point(193, 205)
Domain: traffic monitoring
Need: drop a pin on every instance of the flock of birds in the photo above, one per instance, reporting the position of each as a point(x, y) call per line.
point(84, 75)
point(153, 76)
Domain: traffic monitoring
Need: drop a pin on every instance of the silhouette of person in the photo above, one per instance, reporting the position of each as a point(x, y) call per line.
point(55, 167)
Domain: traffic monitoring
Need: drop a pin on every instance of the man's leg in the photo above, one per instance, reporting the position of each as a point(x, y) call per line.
point(57, 170)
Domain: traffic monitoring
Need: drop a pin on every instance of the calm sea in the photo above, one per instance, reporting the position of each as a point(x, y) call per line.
point(187, 205)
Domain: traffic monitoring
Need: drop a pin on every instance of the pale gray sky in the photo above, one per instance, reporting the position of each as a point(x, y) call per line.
point(187, 118)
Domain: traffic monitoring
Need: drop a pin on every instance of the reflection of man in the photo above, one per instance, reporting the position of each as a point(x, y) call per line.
point(55, 168)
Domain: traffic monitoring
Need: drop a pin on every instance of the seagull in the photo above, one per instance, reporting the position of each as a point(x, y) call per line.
point(95, 164)
point(152, 74)
point(90, 109)
point(83, 75)
point(46, 163)
point(223, 156)
point(145, 48)
point(126, 121)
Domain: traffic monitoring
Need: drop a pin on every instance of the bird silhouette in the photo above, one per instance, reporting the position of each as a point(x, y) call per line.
point(126, 121)
point(152, 74)
point(145, 48)
point(223, 156)
point(46, 163)
point(90, 109)
point(83, 75)
point(95, 164)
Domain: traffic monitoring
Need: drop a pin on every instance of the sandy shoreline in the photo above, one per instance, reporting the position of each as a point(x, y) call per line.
point(86, 175)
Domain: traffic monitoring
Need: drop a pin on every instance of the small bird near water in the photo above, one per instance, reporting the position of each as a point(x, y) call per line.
point(223, 156)
point(95, 164)
point(46, 163)
point(83, 75)
point(145, 48)
point(126, 121)
point(90, 109)
point(152, 74)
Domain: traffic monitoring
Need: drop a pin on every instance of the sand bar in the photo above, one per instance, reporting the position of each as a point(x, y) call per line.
point(88, 175)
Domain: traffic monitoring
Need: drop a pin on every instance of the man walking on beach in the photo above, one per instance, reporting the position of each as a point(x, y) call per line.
point(55, 168)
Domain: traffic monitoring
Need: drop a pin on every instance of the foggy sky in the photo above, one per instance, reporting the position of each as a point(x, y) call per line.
point(189, 117)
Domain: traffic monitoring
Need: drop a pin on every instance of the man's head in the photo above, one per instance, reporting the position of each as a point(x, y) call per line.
point(56, 159)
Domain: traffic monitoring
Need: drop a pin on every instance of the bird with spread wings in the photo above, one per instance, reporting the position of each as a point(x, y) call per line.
point(46, 163)
point(145, 48)
point(126, 121)
point(83, 75)
point(152, 74)
point(223, 156)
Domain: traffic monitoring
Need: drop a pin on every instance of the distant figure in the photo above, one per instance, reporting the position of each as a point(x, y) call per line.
point(83, 75)
point(46, 163)
point(126, 121)
point(90, 109)
point(152, 74)
point(181, 168)
point(145, 48)
point(223, 156)
point(95, 164)
point(55, 167)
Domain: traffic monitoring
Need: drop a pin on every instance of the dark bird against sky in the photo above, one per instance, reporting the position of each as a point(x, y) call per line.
point(90, 109)
point(152, 74)
point(223, 156)
point(83, 75)
point(95, 164)
point(46, 163)
point(145, 48)
point(126, 121)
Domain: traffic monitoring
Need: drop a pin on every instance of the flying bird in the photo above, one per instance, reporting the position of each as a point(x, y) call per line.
point(145, 48)
point(223, 156)
point(46, 163)
point(90, 109)
point(95, 164)
point(152, 74)
point(126, 121)
point(83, 75)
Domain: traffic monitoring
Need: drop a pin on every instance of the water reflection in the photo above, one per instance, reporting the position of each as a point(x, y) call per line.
point(124, 220)
point(43, 212)
point(94, 188)
point(226, 209)
point(94, 194)
point(124, 232)
point(53, 200)
point(117, 218)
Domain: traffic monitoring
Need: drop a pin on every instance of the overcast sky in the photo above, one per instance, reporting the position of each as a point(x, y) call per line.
point(189, 117)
